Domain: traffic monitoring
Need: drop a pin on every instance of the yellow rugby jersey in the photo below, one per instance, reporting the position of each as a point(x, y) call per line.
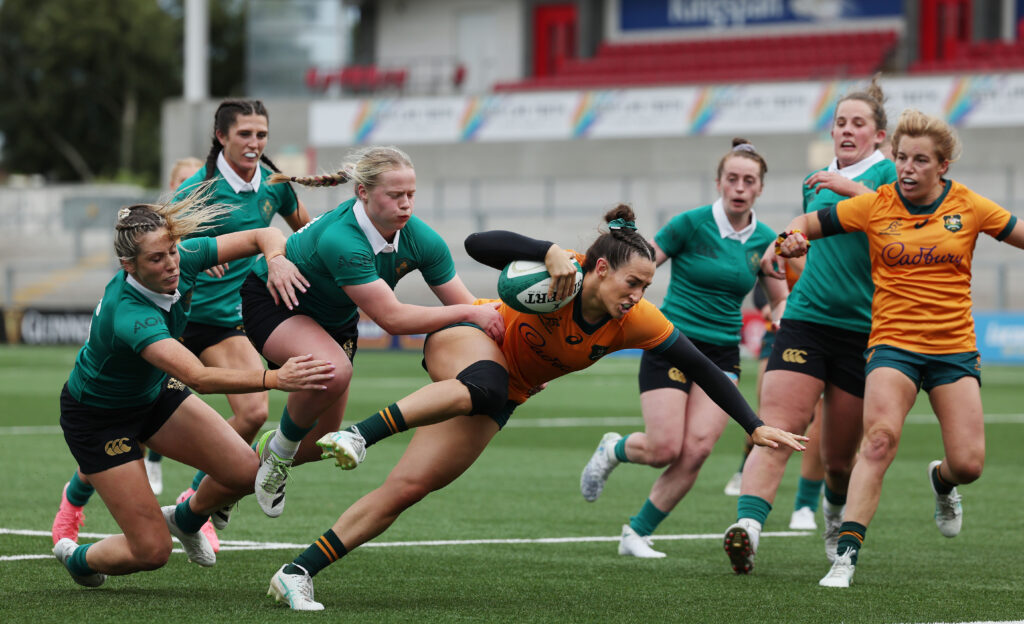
point(541, 347)
point(921, 263)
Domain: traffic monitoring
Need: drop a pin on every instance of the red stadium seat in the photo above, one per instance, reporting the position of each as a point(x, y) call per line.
point(809, 56)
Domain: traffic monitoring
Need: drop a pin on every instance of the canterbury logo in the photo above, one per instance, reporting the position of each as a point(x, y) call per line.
point(117, 447)
point(794, 355)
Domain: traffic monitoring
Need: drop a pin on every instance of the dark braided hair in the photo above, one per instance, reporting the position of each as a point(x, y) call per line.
point(225, 117)
point(619, 244)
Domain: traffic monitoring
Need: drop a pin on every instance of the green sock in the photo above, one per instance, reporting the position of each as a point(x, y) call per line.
point(941, 485)
point(808, 494)
point(320, 554)
point(285, 441)
point(753, 507)
point(645, 522)
point(76, 562)
point(383, 424)
point(620, 449)
point(290, 430)
point(78, 491)
point(851, 535)
point(834, 498)
point(186, 519)
point(196, 480)
point(154, 456)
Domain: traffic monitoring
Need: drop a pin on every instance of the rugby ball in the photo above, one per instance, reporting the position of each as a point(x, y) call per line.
point(523, 286)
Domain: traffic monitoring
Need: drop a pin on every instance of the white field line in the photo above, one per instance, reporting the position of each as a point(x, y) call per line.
point(552, 423)
point(250, 545)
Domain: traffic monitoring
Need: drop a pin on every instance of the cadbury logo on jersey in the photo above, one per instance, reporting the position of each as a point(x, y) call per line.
point(896, 254)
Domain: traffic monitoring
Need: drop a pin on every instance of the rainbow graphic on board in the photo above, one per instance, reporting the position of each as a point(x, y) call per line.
point(588, 111)
point(473, 117)
point(366, 119)
point(705, 108)
point(961, 101)
point(824, 108)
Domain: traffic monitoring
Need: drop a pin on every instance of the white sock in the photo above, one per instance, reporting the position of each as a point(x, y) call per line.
point(284, 447)
point(829, 509)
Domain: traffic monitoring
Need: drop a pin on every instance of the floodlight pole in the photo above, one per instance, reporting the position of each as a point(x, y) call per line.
point(197, 35)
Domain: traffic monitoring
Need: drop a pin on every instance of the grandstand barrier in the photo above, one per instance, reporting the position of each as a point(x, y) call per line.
point(36, 326)
point(1000, 334)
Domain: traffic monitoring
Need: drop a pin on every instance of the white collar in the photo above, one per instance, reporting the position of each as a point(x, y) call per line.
point(236, 182)
point(858, 168)
point(160, 300)
point(377, 242)
point(725, 229)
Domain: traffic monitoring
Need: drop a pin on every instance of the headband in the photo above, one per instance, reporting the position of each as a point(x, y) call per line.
point(616, 224)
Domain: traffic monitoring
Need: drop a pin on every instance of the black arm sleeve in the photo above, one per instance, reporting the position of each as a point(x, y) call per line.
point(829, 222)
point(499, 247)
point(711, 380)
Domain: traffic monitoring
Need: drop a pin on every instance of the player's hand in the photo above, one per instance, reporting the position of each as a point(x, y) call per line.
point(562, 269)
point(302, 372)
point(773, 436)
point(489, 319)
point(283, 279)
point(794, 245)
point(772, 265)
point(836, 183)
point(218, 271)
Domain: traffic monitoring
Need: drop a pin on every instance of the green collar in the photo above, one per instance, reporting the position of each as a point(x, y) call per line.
point(914, 209)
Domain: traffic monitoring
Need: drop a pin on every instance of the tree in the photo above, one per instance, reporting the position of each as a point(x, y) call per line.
point(83, 82)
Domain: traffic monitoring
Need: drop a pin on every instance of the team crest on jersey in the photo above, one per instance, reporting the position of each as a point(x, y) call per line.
point(402, 268)
point(267, 211)
point(953, 223)
point(755, 262)
point(893, 229)
point(597, 352)
point(573, 339)
point(186, 300)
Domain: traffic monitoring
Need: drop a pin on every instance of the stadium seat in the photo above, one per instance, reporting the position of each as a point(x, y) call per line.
point(779, 57)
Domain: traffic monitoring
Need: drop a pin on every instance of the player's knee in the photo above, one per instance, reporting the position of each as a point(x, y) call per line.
point(405, 493)
point(662, 455)
point(253, 417)
point(151, 553)
point(966, 470)
point(239, 473)
point(487, 382)
point(880, 443)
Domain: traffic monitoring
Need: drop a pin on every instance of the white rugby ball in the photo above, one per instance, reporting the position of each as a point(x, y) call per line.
point(523, 285)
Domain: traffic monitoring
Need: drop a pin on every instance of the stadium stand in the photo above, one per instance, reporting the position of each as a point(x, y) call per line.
point(780, 57)
point(975, 57)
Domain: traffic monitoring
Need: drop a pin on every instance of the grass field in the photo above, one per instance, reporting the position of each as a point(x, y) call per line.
point(520, 494)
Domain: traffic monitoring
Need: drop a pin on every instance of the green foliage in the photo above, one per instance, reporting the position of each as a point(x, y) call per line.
point(84, 82)
point(525, 485)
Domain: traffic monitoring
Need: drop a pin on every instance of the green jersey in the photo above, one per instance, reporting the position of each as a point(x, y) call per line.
point(712, 272)
point(109, 371)
point(835, 288)
point(335, 250)
point(217, 300)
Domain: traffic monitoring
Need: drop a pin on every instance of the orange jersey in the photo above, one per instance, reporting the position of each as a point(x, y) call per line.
point(921, 264)
point(541, 347)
